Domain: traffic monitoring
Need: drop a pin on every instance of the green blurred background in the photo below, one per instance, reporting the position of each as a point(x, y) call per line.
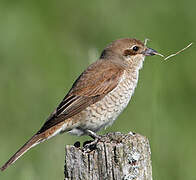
point(45, 45)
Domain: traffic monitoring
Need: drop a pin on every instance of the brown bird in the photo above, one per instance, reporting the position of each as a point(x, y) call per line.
point(97, 97)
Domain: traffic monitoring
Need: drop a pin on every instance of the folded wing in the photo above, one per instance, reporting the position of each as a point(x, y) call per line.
point(93, 84)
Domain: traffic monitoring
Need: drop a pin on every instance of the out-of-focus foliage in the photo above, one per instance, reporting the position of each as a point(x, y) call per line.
point(45, 45)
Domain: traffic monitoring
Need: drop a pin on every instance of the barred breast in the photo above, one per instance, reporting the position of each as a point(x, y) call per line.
point(104, 112)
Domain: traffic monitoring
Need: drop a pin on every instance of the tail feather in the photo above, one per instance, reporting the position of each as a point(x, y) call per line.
point(36, 139)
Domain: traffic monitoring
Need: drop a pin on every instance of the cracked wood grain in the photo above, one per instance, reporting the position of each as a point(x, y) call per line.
point(116, 156)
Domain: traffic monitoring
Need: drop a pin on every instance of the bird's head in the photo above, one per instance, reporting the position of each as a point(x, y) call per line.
point(131, 51)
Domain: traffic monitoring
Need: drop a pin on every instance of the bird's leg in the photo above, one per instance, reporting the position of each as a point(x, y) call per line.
point(92, 134)
point(92, 145)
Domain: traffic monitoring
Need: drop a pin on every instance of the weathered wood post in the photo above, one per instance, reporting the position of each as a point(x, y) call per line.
point(116, 156)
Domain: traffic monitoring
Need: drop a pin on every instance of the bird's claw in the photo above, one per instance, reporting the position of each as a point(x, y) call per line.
point(90, 145)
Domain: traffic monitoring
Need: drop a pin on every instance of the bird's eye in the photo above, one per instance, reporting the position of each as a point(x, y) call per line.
point(135, 48)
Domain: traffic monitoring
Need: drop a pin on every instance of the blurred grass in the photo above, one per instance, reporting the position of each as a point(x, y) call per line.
point(44, 46)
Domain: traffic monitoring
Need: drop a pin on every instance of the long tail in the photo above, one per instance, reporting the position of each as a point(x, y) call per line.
point(35, 140)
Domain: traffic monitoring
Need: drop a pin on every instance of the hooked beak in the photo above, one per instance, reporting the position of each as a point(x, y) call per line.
point(149, 52)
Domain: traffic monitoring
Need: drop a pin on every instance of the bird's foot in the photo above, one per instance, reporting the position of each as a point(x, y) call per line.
point(91, 145)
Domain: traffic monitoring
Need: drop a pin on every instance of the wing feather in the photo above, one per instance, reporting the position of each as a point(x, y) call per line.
point(93, 84)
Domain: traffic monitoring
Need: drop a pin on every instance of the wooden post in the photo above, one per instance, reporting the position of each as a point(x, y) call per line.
point(116, 156)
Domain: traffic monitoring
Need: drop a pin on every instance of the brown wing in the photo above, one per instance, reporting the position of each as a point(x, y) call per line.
point(93, 84)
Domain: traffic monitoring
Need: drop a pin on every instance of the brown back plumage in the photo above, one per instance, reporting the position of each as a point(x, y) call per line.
point(93, 84)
